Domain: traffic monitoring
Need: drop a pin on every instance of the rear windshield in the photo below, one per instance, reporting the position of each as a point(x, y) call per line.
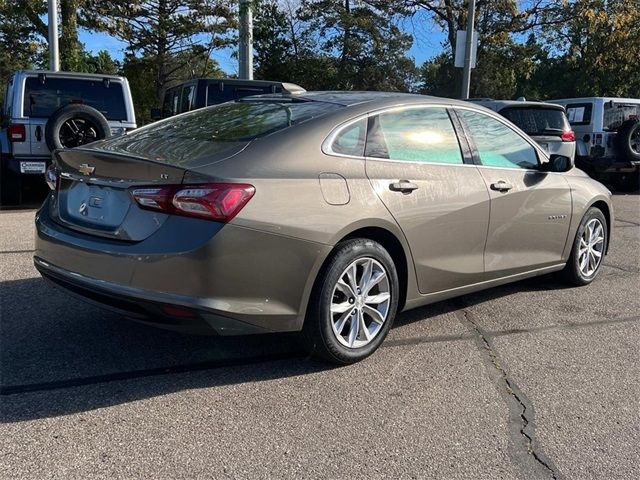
point(616, 113)
point(537, 121)
point(579, 113)
point(214, 132)
point(43, 99)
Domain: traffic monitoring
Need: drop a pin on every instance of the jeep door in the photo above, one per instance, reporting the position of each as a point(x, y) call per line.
point(530, 209)
point(423, 173)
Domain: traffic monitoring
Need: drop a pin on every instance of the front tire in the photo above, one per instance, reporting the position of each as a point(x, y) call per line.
point(589, 247)
point(354, 303)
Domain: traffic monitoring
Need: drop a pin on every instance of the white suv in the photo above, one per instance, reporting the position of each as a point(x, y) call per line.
point(546, 123)
point(608, 131)
point(45, 111)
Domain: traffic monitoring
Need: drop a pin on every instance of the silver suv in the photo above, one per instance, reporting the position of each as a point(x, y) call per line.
point(45, 111)
point(608, 131)
point(546, 123)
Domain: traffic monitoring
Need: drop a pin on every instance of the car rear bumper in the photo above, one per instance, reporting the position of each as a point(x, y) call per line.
point(13, 164)
point(608, 165)
point(228, 279)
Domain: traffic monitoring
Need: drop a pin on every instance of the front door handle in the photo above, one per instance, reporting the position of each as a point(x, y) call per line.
point(404, 186)
point(501, 186)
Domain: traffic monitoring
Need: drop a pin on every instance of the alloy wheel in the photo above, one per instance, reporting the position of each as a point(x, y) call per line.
point(77, 131)
point(591, 247)
point(360, 303)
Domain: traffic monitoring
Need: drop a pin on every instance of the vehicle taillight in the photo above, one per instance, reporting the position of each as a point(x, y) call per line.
point(597, 139)
point(569, 136)
point(17, 133)
point(211, 201)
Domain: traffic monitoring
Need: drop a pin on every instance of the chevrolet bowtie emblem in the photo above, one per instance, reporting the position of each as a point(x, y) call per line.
point(86, 169)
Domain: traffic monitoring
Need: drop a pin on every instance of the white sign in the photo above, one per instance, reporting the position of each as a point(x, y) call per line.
point(461, 44)
point(32, 167)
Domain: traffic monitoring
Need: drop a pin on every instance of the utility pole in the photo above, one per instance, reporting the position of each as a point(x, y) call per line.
point(54, 58)
point(466, 73)
point(245, 51)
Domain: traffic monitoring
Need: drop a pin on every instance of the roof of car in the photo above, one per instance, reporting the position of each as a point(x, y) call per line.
point(591, 99)
point(350, 98)
point(500, 104)
point(67, 74)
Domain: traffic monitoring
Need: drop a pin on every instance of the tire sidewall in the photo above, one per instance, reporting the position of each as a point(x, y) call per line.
point(623, 140)
point(84, 112)
point(344, 256)
point(575, 258)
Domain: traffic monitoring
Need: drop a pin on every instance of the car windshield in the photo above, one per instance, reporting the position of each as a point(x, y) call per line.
point(43, 98)
point(616, 113)
point(214, 132)
point(537, 120)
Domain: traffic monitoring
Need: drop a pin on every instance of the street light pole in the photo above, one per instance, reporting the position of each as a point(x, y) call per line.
point(466, 73)
point(54, 58)
point(245, 51)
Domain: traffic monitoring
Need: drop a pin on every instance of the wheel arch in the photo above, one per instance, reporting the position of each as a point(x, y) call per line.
point(389, 240)
point(606, 211)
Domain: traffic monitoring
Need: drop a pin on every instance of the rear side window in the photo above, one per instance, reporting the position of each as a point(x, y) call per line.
point(210, 131)
point(579, 113)
point(497, 144)
point(43, 99)
point(350, 140)
point(537, 121)
point(416, 135)
point(616, 113)
point(187, 98)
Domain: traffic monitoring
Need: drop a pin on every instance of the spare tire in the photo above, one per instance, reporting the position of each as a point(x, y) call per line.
point(74, 125)
point(627, 141)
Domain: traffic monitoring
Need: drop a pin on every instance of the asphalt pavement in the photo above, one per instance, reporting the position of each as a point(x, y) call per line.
point(529, 380)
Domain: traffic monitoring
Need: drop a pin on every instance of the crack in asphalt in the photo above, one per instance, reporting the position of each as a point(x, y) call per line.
point(628, 221)
point(620, 268)
point(521, 416)
point(6, 252)
point(6, 390)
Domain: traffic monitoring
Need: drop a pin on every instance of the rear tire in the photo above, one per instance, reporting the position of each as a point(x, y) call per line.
point(589, 247)
point(627, 141)
point(74, 125)
point(344, 326)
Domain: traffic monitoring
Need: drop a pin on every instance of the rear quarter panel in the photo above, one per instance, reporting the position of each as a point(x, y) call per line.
point(586, 192)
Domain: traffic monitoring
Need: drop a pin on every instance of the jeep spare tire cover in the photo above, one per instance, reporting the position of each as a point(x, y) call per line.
point(627, 141)
point(74, 125)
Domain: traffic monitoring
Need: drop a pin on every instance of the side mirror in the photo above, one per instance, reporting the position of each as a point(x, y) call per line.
point(558, 164)
point(156, 114)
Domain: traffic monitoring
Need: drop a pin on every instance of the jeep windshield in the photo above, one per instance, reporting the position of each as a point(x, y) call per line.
point(43, 98)
point(538, 120)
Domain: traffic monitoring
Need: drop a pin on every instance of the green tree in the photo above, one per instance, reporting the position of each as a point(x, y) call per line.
point(168, 35)
point(362, 38)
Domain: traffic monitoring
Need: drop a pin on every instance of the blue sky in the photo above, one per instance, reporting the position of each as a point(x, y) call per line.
point(427, 43)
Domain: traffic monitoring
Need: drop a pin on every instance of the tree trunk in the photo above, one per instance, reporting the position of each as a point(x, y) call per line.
point(69, 44)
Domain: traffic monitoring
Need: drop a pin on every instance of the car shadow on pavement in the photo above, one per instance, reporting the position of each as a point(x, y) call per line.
point(59, 355)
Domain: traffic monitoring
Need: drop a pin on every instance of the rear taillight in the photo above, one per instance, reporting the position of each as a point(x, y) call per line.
point(569, 136)
point(17, 133)
point(212, 201)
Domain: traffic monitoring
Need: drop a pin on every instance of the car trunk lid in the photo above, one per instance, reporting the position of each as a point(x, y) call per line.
point(93, 193)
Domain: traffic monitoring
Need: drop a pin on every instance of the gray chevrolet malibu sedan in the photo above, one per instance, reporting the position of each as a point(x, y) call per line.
point(321, 212)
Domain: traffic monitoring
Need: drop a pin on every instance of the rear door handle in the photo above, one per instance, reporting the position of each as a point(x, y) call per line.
point(501, 186)
point(404, 186)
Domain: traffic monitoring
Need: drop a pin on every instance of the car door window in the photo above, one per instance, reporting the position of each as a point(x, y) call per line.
point(415, 134)
point(350, 140)
point(498, 145)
